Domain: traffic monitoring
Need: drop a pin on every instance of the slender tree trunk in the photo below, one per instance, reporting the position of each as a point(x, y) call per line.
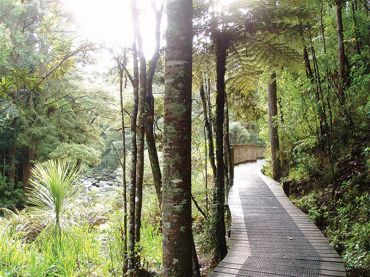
point(132, 189)
point(321, 112)
point(124, 235)
point(220, 237)
point(12, 163)
point(149, 122)
point(341, 52)
point(228, 160)
point(177, 232)
point(322, 27)
point(140, 126)
point(195, 262)
point(226, 165)
point(207, 124)
point(12, 155)
point(27, 166)
point(211, 118)
point(274, 137)
point(307, 63)
point(355, 24)
point(206, 170)
point(140, 143)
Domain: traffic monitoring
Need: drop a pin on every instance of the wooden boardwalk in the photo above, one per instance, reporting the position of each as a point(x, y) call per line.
point(270, 236)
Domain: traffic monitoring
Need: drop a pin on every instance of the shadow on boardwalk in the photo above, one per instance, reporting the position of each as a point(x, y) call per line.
point(269, 235)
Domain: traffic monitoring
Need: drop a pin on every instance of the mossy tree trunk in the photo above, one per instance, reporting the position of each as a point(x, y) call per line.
point(221, 43)
point(227, 149)
point(176, 205)
point(273, 126)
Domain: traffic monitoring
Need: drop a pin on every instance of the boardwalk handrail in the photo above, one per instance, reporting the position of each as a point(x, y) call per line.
point(242, 153)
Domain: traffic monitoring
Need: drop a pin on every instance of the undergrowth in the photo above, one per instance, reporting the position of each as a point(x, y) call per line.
point(345, 217)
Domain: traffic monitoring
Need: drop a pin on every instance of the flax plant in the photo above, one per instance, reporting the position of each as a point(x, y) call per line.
point(52, 194)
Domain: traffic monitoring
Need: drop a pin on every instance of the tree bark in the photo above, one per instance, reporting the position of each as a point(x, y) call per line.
point(274, 136)
point(307, 63)
point(220, 237)
point(341, 52)
point(149, 122)
point(141, 140)
point(195, 262)
point(228, 160)
point(12, 155)
point(355, 24)
point(322, 27)
point(132, 189)
point(207, 124)
point(29, 156)
point(124, 195)
point(177, 232)
point(12, 163)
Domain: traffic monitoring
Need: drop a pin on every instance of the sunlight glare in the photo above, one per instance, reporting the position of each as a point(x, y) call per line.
point(109, 22)
point(219, 5)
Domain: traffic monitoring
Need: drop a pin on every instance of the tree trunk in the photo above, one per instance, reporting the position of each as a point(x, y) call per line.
point(228, 161)
point(207, 124)
point(27, 166)
point(355, 24)
point(132, 189)
point(124, 235)
point(177, 232)
point(341, 52)
point(149, 122)
point(220, 237)
point(195, 262)
point(12, 163)
point(321, 109)
point(274, 137)
point(141, 142)
point(322, 27)
point(12, 155)
point(307, 63)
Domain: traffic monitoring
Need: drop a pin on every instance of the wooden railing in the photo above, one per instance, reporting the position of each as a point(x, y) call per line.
point(243, 153)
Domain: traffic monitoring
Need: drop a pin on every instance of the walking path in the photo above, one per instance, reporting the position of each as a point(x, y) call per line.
point(270, 236)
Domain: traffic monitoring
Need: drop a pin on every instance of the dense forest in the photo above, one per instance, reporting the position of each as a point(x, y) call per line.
point(116, 158)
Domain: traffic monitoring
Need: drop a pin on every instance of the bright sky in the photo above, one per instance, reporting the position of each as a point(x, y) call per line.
point(109, 22)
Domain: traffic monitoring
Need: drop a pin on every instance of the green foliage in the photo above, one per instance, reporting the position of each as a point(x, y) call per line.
point(78, 153)
point(241, 135)
point(11, 194)
point(114, 246)
point(78, 253)
point(52, 194)
point(347, 225)
point(151, 246)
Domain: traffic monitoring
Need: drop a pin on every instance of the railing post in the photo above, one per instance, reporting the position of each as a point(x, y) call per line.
point(232, 166)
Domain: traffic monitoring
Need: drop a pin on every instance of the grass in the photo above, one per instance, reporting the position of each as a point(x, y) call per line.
point(79, 253)
point(65, 243)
